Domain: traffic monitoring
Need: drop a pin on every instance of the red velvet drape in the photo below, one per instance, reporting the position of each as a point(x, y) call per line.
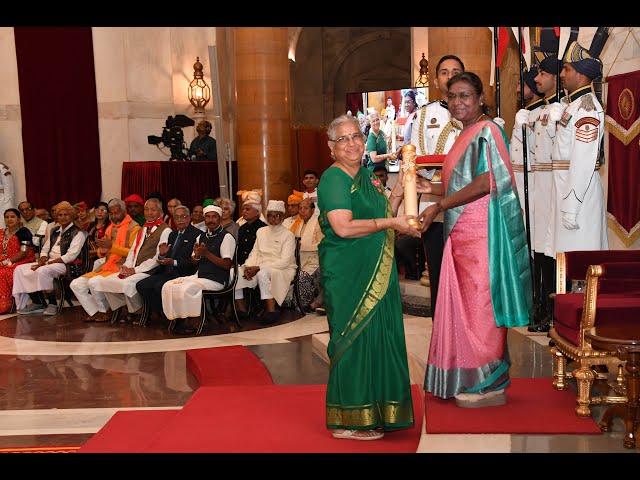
point(354, 103)
point(59, 114)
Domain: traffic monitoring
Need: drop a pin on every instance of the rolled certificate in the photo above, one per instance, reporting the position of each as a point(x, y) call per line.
point(410, 189)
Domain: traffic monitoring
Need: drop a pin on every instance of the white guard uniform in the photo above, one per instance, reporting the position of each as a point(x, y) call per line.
point(433, 133)
point(7, 196)
point(545, 135)
point(518, 162)
point(576, 176)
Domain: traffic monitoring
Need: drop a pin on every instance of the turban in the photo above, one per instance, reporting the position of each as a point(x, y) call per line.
point(529, 77)
point(134, 198)
point(64, 205)
point(251, 197)
point(212, 208)
point(81, 206)
point(276, 206)
point(580, 59)
point(295, 198)
point(550, 63)
point(208, 201)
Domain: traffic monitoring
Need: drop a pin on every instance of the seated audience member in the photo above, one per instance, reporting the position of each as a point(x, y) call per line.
point(255, 197)
point(174, 259)
point(97, 228)
point(271, 264)
point(135, 206)
point(213, 255)
point(171, 206)
point(310, 182)
point(113, 249)
point(247, 232)
point(43, 214)
point(83, 219)
point(16, 250)
point(61, 248)
point(228, 207)
point(35, 224)
point(293, 204)
point(307, 228)
point(197, 218)
point(120, 288)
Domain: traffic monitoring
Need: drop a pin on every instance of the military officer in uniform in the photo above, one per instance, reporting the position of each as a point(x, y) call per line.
point(544, 130)
point(6, 192)
point(578, 213)
point(433, 133)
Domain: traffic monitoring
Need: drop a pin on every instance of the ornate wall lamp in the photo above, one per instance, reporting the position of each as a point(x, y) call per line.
point(199, 92)
point(423, 77)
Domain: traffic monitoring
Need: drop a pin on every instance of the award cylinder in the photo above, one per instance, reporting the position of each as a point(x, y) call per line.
point(410, 189)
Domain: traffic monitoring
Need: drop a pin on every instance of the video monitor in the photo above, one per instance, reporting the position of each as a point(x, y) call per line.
point(390, 106)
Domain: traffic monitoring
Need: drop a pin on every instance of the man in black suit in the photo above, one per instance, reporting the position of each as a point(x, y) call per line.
point(174, 259)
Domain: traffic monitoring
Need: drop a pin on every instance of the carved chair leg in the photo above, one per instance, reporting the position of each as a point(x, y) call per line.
point(559, 369)
point(584, 377)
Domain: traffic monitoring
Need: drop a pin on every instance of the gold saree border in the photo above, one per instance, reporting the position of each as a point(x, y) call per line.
point(388, 413)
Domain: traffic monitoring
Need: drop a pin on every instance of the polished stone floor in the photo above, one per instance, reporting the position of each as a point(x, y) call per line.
point(62, 379)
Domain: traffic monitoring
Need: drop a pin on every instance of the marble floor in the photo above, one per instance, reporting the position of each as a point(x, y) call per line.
point(62, 379)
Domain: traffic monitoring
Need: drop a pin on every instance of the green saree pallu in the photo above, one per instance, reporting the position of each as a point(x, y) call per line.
point(368, 383)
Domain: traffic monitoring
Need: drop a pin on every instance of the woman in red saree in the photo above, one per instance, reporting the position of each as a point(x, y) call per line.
point(15, 249)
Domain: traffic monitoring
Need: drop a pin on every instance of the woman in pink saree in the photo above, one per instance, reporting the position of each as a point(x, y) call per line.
point(485, 282)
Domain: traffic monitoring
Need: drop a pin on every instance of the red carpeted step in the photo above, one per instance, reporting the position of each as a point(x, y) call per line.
point(128, 431)
point(533, 406)
point(227, 366)
point(266, 419)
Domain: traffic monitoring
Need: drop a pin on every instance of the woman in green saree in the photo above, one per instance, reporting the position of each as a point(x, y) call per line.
point(368, 389)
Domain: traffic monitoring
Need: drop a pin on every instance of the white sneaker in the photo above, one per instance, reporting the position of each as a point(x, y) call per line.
point(29, 309)
point(51, 310)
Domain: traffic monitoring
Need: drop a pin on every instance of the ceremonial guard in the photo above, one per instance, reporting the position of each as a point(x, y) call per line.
point(435, 134)
point(578, 213)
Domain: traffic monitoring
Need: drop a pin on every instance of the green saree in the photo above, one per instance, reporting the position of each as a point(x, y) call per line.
point(368, 383)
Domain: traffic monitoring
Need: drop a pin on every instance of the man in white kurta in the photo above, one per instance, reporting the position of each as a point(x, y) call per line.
point(271, 264)
point(120, 288)
point(61, 248)
point(213, 253)
point(578, 213)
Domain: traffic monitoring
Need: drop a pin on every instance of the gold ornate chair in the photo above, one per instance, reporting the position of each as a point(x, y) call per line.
point(612, 296)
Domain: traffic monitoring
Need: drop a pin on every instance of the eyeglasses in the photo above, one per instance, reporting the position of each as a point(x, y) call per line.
point(25, 209)
point(463, 96)
point(357, 137)
point(180, 217)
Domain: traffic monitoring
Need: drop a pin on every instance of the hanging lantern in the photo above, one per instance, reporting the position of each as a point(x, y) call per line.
point(199, 92)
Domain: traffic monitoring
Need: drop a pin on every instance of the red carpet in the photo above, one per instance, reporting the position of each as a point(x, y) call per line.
point(128, 431)
point(40, 450)
point(533, 406)
point(256, 419)
point(227, 366)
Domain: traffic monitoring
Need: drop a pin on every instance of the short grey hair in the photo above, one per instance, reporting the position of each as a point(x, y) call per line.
point(342, 119)
point(156, 201)
point(220, 201)
point(119, 202)
point(182, 207)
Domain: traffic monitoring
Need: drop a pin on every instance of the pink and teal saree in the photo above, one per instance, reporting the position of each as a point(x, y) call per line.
point(485, 281)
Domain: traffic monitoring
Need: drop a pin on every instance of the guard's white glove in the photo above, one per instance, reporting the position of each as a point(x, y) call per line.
point(499, 121)
point(569, 221)
point(555, 111)
point(522, 117)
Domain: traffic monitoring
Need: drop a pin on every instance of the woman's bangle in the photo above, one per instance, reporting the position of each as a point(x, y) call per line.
point(375, 223)
point(396, 195)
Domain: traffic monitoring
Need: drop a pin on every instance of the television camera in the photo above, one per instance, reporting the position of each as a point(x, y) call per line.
point(173, 136)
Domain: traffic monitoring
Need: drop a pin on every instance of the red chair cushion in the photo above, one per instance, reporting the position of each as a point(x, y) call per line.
point(578, 262)
point(612, 309)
